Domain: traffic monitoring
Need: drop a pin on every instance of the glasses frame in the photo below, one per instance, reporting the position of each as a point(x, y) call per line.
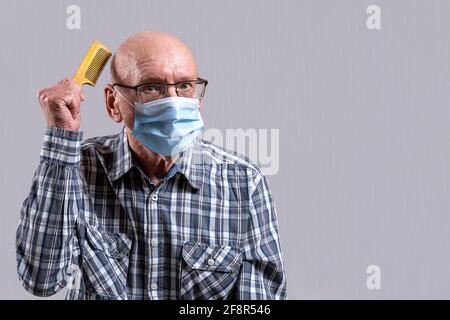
point(167, 85)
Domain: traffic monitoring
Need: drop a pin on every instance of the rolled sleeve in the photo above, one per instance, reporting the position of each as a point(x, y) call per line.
point(46, 241)
point(61, 146)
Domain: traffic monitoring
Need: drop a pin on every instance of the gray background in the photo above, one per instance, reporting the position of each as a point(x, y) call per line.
point(364, 123)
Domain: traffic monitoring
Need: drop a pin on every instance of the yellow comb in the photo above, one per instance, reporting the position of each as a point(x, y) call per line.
point(92, 65)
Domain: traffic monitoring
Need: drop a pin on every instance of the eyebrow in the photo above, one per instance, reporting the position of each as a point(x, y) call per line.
point(158, 80)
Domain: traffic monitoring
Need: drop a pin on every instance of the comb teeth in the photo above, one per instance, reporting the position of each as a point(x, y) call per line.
point(96, 65)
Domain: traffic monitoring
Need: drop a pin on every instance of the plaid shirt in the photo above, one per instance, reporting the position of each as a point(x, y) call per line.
point(94, 222)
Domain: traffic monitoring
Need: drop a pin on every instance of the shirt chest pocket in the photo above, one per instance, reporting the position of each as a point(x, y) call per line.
point(105, 263)
point(208, 271)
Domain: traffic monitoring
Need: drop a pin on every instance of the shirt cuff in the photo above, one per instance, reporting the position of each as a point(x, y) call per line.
point(61, 146)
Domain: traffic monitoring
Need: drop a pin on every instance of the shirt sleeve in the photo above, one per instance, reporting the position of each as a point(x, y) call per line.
point(262, 274)
point(46, 242)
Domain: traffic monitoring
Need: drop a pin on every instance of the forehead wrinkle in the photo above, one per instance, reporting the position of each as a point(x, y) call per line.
point(164, 72)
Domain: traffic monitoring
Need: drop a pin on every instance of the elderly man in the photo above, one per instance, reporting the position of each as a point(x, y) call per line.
point(153, 212)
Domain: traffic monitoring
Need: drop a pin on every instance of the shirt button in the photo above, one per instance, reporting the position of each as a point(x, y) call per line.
point(154, 286)
point(154, 197)
point(211, 262)
point(154, 243)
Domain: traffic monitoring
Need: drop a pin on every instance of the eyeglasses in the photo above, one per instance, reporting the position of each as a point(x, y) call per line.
point(153, 91)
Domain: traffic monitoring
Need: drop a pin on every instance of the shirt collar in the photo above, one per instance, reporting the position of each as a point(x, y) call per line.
point(121, 159)
point(190, 163)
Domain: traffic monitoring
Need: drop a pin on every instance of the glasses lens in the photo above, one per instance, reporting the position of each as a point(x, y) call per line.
point(186, 89)
point(189, 89)
point(150, 92)
point(200, 89)
point(193, 89)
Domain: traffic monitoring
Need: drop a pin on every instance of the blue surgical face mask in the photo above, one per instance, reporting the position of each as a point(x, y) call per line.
point(167, 126)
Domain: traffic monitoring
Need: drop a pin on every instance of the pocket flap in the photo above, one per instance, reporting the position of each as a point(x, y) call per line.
point(212, 257)
point(115, 245)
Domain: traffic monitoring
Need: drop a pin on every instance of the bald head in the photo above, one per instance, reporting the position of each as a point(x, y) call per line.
point(153, 56)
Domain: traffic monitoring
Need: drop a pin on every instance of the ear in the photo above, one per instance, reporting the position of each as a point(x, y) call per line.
point(111, 104)
point(200, 104)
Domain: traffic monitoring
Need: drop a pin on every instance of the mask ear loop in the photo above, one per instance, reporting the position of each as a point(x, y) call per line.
point(120, 93)
point(128, 101)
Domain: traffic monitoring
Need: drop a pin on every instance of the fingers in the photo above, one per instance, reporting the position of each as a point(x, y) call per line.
point(73, 103)
point(65, 94)
point(41, 94)
point(65, 89)
point(76, 95)
point(61, 103)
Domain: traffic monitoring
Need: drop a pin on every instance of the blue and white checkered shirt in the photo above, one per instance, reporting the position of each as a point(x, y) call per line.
point(94, 222)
